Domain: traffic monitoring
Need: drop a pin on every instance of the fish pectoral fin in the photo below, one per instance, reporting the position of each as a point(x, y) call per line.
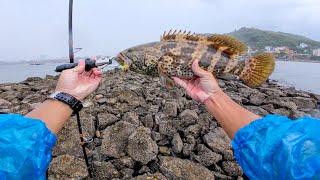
point(164, 79)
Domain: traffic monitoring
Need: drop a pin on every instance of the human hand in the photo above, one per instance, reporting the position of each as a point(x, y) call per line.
point(78, 82)
point(201, 87)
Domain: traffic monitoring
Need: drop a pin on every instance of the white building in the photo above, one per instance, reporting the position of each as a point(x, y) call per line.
point(316, 52)
point(303, 45)
point(268, 48)
point(279, 49)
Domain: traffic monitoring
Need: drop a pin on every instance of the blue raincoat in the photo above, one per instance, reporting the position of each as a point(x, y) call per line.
point(25, 147)
point(276, 147)
point(273, 147)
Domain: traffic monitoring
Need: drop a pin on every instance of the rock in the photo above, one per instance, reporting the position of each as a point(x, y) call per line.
point(206, 157)
point(156, 136)
point(156, 176)
point(66, 167)
point(235, 97)
point(141, 147)
point(102, 101)
point(193, 130)
point(123, 162)
point(246, 92)
point(188, 117)
point(164, 150)
point(10, 95)
point(144, 169)
point(228, 155)
point(282, 103)
point(177, 143)
point(175, 168)
point(167, 127)
point(315, 96)
point(297, 114)
point(304, 103)
point(257, 110)
point(190, 140)
point(295, 93)
point(232, 168)
point(147, 121)
point(105, 120)
point(315, 113)
point(272, 92)
point(105, 170)
point(131, 117)
point(257, 98)
point(171, 108)
point(126, 173)
point(68, 141)
point(111, 101)
point(218, 175)
point(98, 96)
point(115, 139)
point(281, 111)
point(187, 149)
point(33, 98)
point(217, 140)
point(4, 104)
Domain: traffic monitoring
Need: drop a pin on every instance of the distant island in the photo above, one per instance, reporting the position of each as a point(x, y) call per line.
point(284, 46)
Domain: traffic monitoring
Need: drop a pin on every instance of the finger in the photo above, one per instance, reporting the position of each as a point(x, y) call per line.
point(198, 70)
point(92, 76)
point(181, 82)
point(97, 71)
point(87, 73)
point(80, 68)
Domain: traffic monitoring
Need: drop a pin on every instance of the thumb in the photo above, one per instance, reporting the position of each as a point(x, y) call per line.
point(80, 68)
point(197, 69)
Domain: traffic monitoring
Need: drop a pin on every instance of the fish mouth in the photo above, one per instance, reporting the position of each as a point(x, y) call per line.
point(124, 61)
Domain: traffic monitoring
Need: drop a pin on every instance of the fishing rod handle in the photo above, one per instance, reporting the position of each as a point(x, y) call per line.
point(89, 64)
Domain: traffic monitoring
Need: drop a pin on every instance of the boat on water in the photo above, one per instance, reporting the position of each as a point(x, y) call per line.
point(36, 64)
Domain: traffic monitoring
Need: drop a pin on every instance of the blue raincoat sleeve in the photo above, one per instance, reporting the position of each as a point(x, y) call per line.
point(25, 147)
point(276, 147)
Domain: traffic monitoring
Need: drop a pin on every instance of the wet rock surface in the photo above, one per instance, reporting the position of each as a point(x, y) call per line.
point(140, 130)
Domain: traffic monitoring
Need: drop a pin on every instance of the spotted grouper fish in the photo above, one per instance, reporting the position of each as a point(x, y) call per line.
point(174, 54)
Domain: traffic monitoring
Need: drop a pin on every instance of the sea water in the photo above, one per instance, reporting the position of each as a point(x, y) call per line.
point(302, 75)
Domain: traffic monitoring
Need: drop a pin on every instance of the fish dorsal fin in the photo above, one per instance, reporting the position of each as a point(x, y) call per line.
point(181, 36)
point(234, 46)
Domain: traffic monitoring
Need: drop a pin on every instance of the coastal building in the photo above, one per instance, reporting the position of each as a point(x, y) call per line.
point(316, 52)
point(280, 49)
point(269, 49)
point(303, 45)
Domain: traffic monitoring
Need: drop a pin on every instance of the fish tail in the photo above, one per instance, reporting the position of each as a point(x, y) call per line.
point(257, 69)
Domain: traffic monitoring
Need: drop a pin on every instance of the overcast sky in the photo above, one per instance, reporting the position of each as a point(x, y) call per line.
point(31, 28)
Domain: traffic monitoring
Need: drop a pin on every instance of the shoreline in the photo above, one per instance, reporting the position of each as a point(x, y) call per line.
point(300, 60)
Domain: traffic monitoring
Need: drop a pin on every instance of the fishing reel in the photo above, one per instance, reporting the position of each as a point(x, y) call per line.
point(89, 64)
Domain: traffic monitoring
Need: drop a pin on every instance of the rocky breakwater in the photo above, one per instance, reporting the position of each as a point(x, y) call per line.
point(139, 130)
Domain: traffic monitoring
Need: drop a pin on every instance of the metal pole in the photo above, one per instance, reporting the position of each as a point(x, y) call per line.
point(71, 54)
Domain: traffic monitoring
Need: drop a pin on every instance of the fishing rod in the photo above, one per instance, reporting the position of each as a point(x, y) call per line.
point(89, 64)
point(68, 66)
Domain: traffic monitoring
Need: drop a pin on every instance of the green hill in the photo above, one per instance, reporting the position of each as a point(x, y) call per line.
point(258, 39)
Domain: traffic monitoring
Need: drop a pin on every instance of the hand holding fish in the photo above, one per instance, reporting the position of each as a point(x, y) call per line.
point(202, 86)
